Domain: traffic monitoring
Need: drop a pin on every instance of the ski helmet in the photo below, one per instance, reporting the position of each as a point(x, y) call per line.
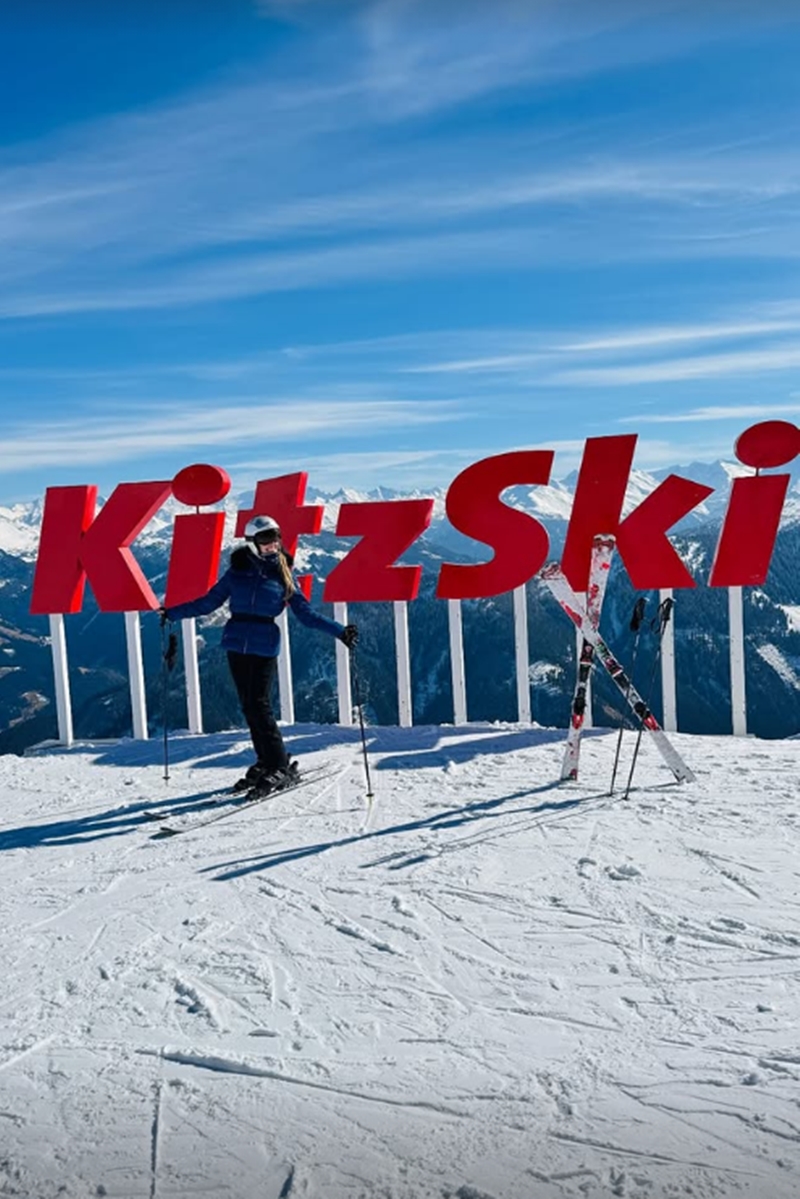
point(261, 528)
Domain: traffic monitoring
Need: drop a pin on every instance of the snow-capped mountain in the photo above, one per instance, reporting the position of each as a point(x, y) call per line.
point(19, 529)
point(551, 504)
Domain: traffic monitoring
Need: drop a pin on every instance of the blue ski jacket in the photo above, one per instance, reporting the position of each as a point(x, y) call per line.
point(254, 590)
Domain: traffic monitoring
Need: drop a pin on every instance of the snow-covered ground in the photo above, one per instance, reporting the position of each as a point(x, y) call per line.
point(493, 986)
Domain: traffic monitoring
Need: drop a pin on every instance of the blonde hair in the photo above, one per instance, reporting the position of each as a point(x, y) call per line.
point(286, 574)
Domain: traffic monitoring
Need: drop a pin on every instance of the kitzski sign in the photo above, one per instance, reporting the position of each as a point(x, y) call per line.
point(77, 545)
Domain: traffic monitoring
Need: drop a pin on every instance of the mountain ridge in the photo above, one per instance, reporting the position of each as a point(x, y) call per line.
point(550, 503)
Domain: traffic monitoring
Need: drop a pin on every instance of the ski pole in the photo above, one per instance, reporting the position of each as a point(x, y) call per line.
point(169, 650)
point(659, 623)
point(637, 616)
point(359, 705)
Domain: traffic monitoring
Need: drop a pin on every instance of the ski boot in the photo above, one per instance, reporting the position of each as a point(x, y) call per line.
point(249, 779)
point(276, 780)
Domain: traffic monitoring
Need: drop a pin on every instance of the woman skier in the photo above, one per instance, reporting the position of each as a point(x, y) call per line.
point(258, 585)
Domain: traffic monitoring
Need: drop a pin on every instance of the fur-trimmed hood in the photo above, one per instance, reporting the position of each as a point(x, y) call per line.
point(242, 559)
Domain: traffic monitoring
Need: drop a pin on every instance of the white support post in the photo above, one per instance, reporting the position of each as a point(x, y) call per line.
point(194, 710)
point(588, 722)
point(285, 690)
point(133, 642)
point(343, 670)
point(522, 655)
point(457, 661)
point(58, 646)
point(736, 634)
point(669, 700)
point(403, 656)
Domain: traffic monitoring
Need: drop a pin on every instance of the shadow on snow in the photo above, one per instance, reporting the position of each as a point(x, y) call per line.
point(431, 747)
point(98, 826)
point(452, 818)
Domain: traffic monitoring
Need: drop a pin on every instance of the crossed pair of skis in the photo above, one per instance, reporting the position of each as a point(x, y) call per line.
point(587, 619)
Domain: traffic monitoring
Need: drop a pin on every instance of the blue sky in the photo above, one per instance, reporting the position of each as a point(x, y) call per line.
point(378, 241)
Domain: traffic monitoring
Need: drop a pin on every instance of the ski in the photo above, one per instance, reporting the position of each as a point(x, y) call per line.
point(242, 802)
point(559, 585)
point(602, 551)
point(216, 799)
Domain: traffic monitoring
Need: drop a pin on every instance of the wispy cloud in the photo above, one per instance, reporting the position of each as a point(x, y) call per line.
point(675, 370)
point(260, 274)
point(503, 367)
point(656, 455)
point(420, 59)
point(504, 249)
point(398, 470)
point(219, 429)
point(719, 412)
point(641, 339)
point(399, 142)
point(548, 359)
point(496, 364)
point(662, 181)
point(145, 210)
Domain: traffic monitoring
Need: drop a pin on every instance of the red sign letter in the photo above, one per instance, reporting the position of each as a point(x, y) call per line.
point(197, 539)
point(282, 499)
point(474, 507)
point(745, 545)
point(59, 581)
point(73, 547)
point(388, 528)
point(649, 557)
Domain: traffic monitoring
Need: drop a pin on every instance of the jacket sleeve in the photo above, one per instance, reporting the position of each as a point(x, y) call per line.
point(307, 616)
point(209, 602)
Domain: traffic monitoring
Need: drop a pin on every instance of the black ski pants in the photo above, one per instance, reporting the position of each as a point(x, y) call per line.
point(254, 678)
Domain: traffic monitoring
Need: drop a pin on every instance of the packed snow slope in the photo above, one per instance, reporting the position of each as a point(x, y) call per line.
point(489, 985)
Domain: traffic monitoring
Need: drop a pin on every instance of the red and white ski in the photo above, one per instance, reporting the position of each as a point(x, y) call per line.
point(602, 551)
point(562, 591)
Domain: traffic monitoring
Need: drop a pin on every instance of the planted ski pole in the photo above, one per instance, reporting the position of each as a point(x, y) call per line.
point(360, 706)
point(169, 652)
point(637, 616)
point(659, 623)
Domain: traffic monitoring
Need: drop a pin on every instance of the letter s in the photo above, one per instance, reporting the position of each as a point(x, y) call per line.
point(474, 507)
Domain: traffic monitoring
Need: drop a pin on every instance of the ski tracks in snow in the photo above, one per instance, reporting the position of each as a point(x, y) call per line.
point(494, 989)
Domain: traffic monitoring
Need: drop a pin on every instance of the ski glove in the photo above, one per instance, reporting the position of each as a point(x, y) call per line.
point(349, 635)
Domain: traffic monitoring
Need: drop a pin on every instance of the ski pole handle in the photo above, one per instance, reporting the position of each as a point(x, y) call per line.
point(661, 618)
point(637, 616)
